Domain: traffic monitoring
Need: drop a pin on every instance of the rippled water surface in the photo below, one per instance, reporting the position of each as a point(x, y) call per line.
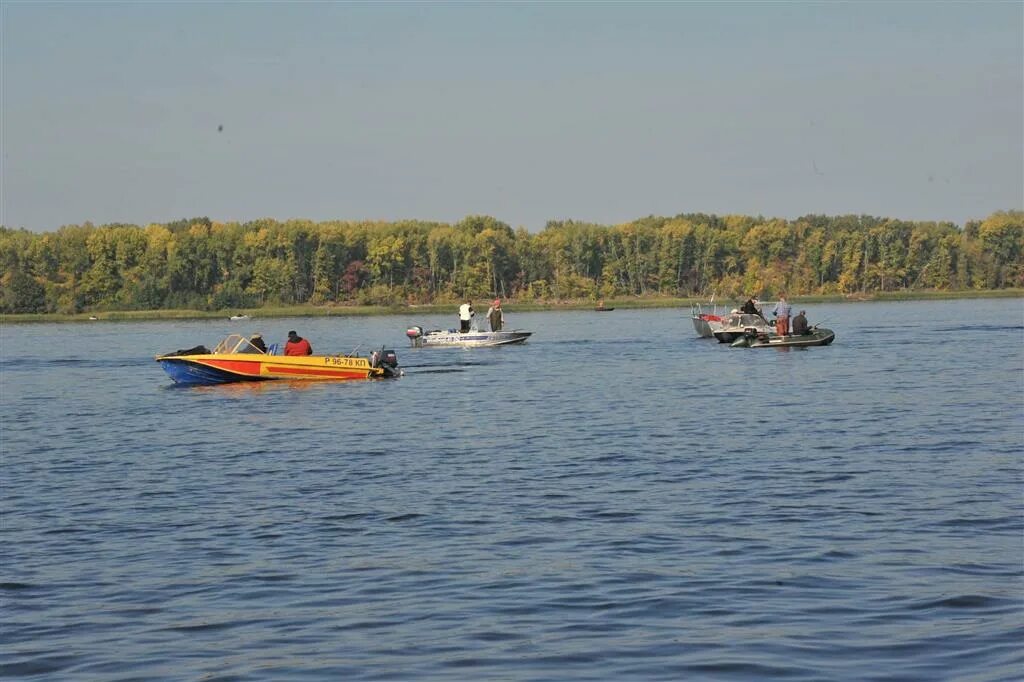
point(615, 500)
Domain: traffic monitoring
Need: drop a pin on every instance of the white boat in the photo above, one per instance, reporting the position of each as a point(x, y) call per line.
point(706, 321)
point(238, 318)
point(473, 338)
point(706, 324)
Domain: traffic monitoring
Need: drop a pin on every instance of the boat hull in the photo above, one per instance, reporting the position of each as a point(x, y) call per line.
point(470, 339)
point(819, 337)
point(706, 325)
point(213, 368)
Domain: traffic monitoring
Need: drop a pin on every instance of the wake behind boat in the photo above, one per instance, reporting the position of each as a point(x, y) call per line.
point(236, 359)
point(473, 338)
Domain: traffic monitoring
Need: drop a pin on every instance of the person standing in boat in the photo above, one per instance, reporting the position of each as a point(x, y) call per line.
point(751, 307)
point(782, 312)
point(495, 316)
point(800, 327)
point(297, 345)
point(466, 314)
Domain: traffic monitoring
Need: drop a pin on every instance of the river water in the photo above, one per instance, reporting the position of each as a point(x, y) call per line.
point(615, 500)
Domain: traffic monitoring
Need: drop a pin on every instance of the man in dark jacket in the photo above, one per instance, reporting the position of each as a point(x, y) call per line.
point(800, 324)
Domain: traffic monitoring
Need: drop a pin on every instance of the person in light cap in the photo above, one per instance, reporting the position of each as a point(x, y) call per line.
point(495, 316)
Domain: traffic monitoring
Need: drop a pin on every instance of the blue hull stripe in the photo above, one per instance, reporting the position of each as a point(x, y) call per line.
point(191, 373)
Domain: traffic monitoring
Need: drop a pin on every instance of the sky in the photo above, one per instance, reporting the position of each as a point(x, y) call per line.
point(602, 112)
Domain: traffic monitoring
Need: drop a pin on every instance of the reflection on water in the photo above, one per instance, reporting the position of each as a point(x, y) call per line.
point(615, 499)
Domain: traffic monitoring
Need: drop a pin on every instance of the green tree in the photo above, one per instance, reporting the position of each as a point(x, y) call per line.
point(1002, 237)
point(21, 293)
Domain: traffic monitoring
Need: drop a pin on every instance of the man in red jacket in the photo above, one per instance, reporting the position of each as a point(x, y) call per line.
point(297, 345)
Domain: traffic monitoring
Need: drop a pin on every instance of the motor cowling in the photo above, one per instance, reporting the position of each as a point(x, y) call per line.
point(382, 357)
point(389, 358)
point(385, 359)
point(415, 335)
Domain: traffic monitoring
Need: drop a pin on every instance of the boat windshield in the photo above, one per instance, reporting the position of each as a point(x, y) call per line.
point(236, 343)
point(746, 320)
point(750, 320)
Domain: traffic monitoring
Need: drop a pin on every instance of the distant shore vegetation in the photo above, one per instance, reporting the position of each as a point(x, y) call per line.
point(198, 267)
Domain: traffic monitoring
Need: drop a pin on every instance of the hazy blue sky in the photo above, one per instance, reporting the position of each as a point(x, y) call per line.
point(528, 112)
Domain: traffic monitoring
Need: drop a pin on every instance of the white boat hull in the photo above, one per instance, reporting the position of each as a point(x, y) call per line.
point(470, 339)
point(705, 326)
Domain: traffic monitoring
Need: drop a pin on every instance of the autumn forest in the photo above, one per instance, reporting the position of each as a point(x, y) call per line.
point(207, 265)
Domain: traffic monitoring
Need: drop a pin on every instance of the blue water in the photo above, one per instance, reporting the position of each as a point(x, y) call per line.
point(615, 500)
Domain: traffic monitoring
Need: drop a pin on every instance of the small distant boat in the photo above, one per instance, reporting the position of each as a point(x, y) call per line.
point(93, 317)
point(472, 338)
point(238, 318)
point(818, 336)
point(235, 359)
point(603, 309)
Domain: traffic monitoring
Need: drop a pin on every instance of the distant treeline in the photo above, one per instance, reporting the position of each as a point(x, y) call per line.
point(201, 264)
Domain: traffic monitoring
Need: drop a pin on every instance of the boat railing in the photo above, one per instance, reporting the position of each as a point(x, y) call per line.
point(698, 310)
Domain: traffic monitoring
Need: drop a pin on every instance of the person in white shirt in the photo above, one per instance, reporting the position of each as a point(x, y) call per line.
point(466, 314)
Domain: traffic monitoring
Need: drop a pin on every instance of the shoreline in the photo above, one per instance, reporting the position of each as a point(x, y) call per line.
point(449, 307)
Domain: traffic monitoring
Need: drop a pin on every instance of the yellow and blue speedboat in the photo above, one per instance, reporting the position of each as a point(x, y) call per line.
point(236, 359)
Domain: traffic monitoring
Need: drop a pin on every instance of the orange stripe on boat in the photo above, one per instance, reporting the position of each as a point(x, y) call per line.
point(312, 371)
point(237, 366)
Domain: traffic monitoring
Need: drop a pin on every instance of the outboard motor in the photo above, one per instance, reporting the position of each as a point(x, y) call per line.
point(387, 360)
point(415, 335)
